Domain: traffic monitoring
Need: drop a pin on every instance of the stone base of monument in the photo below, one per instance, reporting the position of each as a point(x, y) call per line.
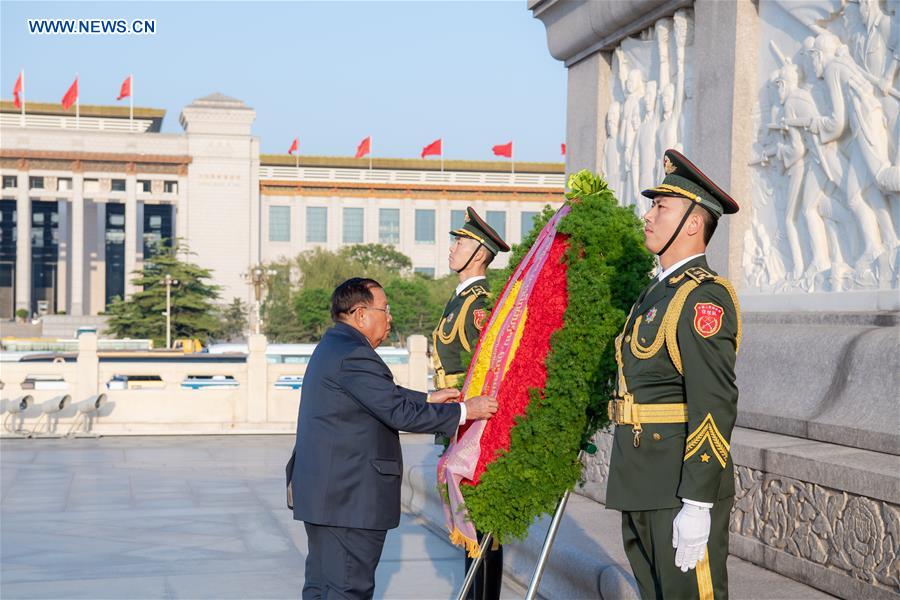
point(587, 560)
point(816, 451)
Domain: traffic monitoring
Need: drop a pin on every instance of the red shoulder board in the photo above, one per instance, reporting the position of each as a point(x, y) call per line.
point(707, 318)
point(480, 316)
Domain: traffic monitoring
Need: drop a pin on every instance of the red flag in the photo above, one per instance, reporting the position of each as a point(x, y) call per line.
point(126, 88)
point(17, 89)
point(364, 147)
point(434, 148)
point(293, 147)
point(503, 150)
point(71, 95)
point(562, 149)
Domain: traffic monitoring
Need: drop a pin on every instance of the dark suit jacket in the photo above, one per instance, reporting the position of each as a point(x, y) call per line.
point(347, 461)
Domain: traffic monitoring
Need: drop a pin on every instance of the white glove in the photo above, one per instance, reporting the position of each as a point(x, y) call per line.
point(690, 532)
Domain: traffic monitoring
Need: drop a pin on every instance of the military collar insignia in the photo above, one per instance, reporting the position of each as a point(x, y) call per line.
point(650, 315)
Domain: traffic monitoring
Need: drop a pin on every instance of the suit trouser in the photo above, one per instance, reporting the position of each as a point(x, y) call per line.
point(341, 562)
point(647, 536)
point(489, 577)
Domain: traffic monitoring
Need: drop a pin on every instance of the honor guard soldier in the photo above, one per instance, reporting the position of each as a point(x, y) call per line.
point(474, 247)
point(670, 471)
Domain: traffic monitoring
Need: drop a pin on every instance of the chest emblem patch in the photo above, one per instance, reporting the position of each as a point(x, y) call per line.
point(479, 315)
point(707, 318)
point(650, 315)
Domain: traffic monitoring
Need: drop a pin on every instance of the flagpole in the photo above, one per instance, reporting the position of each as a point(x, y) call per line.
point(371, 146)
point(131, 103)
point(297, 155)
point(22, 74)
point(512, 156)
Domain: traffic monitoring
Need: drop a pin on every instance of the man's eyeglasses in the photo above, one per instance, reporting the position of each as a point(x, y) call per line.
point(386, 310)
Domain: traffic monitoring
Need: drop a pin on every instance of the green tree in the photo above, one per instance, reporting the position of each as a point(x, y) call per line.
point(320, 268)
point(377, 257)
point(193, 300)
point(413, 309)
point(280, 323)
point(312, 309)
point(233, 320)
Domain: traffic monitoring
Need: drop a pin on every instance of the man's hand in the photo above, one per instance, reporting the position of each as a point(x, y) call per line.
point(444, 395)
point(690, 532)
point(480, 407)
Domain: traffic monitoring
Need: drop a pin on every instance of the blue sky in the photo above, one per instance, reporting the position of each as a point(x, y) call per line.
point(474, 73)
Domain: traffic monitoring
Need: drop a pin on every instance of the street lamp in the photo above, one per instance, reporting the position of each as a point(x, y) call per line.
point(169, 281)
point(258, 277)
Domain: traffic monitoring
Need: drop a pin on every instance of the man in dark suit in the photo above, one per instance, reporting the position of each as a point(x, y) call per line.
point(348, 465)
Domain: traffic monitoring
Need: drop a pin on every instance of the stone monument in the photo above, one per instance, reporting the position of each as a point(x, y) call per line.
point(794, 107)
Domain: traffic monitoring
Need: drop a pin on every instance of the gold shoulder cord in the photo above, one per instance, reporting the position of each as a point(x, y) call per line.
point(672, 326)
point(668, 329)
point(623, 387)
point(459, 326)
point(439, 377)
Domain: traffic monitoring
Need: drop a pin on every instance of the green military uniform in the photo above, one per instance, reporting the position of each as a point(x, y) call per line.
point(675, 410)
point(455, 337)
point(457, 333)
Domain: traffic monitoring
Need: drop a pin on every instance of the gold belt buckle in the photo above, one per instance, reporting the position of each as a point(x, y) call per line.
point(621, 410)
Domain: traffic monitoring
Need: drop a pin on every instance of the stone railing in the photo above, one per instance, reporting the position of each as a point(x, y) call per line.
point(243, 399)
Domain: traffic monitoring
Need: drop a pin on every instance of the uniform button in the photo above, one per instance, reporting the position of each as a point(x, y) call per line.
point(627, 338)
point(657, 437)
point(643, 340)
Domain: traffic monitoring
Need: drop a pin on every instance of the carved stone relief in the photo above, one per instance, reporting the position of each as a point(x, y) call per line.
point(826, 195)
point(858, 536)
point(596, 466)
point(651, 102)
point(854, 535)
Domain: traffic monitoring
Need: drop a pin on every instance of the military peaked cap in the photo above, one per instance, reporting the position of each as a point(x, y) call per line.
point(476, 228)
point(684, 179)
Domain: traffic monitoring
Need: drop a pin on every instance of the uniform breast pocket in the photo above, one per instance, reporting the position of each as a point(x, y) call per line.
point(386, 466)
point(647, 334)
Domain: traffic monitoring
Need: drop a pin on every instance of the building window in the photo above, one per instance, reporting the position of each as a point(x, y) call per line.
point(157, 228)
point(425, 271)
point(497, 220)
point(424, 226)
point(170, 187)
point(528, 222)
point(279, 223)
point(316, 224)
point(117, 185)
point(353, 225)
point(389, 226)
point(36, 183)
point(64, 184)
point(115, 252)
point(457, 219)
point(10, 181)
point(143, 185)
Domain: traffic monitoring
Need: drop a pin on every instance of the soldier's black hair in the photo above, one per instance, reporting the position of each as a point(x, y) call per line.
point(710, 222)
point(354, 292)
